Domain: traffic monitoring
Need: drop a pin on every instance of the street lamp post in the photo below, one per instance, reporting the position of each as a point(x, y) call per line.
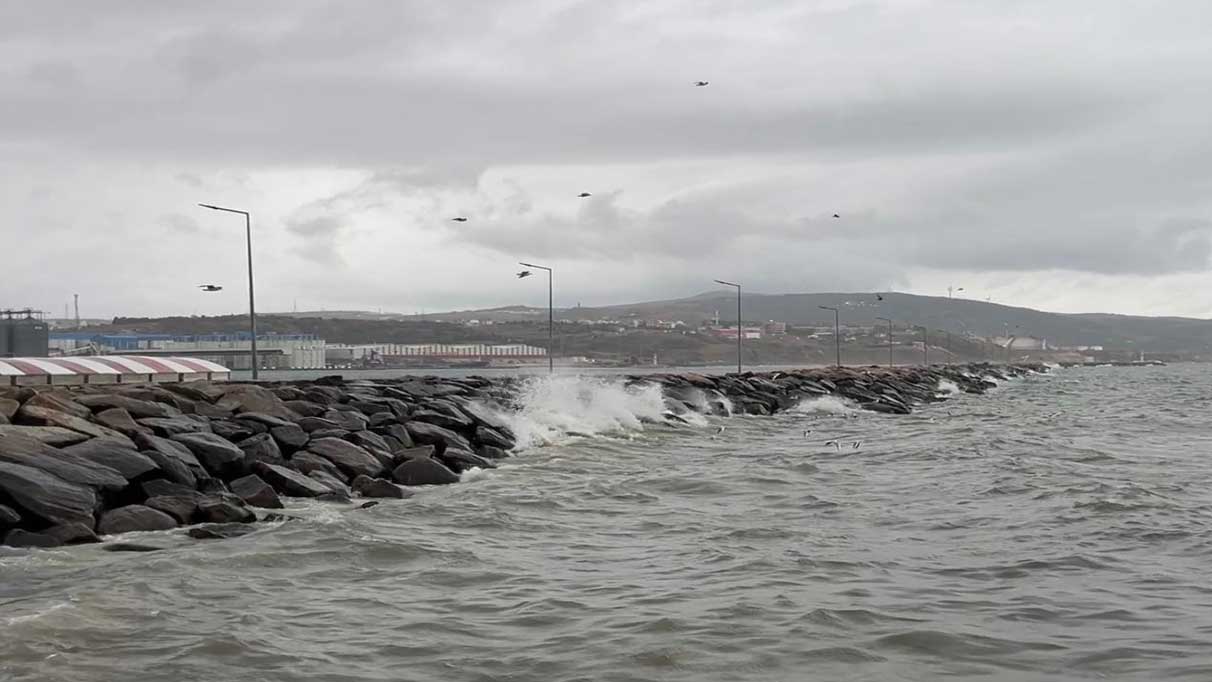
point(884, 319)
point(252, 311)
point(925, 345)
point(837, 332)
point(550, 317)
point(738, 320)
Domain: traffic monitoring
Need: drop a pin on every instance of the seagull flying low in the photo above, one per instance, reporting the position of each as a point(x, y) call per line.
point(582, 195)
point(700, 84)
point(523, 274)
point(878, 297)
point(460, 219)
point(210, 287)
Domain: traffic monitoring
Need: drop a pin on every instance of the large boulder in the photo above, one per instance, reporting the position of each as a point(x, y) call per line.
point(267, 420)
point(136, 408)
point(72, 533)
point(119, 420)
point(178, 463)
point(377, 487)
point(42, 416)
point(290, 482)
point(243, 398)
point(60, 402)
point(332, 482)
point(260, 448)
point(307, 462)
point(8, 408)
point(424, 471)
point(447, 421)
point(167, 427)
point(134, 517)
point(290, 438)
point(459, 460)
point(218, 456)
point(114, 454)
point(198, 391)
point(347, 419)
point(46, 496)
point(491, 452)
point(51, 435)
point(349, 458)
point(441, 438)
point(489, 436)
point(234, 430)
point(306, 408)
point(220, 531)
point(369, 440)
point(33, 453)
point(159, 486)
point(24, 538)
point(396, 431)
point(183, 508)
point(256, 492)
point(310, 424)
point(220, 510)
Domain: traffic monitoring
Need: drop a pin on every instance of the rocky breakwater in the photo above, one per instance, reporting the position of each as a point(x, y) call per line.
point(83, 462)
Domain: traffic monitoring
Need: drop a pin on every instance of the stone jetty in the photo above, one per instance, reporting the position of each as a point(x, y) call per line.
point(81, 462)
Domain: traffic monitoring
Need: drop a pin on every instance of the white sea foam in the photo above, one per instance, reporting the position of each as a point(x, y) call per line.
point(826, 404)
point(553, 408)
point(948, 388)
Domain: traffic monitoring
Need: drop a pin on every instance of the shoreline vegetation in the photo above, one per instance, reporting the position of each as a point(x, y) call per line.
point(80, 463)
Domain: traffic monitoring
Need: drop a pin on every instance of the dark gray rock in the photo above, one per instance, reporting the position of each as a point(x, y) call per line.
point(244, 398)
point(289, 482)
point(383, 419)
point(46, 496)
point(51, 435)
point(218, 456)
point(220, 510)
point(424, 471)
point(256, 492)
point(212, 486)
point(368, 440)
point(119, 420)
point(129, 547)
point(72, 533)
point(33, 453)
point(8, 408)
point(167, 427)
point(333, 483)
point(269, 421)
point(232, 429)
point(61, 402)
point(491, 452)
point(461, 460)
point(220, 531)
point(310, 424)
point(183, 508)
point(116, 455)
point(306, 408)
point(485, 415)
point(490, 436)
point(134, 517)
point(328, 433)
point(421, 451)
point(41, 416)
point(139, 409)
point(396, 431)
point(24, 538)
point(340, 498)
point(442, 419)
point(261, 448)
point(349, 458)
point(8, 516)
point(432, 434)
point(378, 487)
point(290, 438)
point(347, 419)
point(307, 462)
point(161, 486)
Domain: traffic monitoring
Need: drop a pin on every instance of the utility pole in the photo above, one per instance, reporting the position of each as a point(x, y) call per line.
point(77, 299)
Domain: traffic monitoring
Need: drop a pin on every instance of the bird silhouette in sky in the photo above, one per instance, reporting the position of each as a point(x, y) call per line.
point(582, 195)
point(523, 274)
point(700, 84)
point(210, 287)
point(460, 219)
point(879, 297)
point(836, 215)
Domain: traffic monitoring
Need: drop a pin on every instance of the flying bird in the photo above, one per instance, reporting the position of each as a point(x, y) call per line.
point(834, 443)
point(582, 195)
point(855, 445)
point(460, 219)
point(523, 274)
point(836, 215)
point(700, 84)
point(879, 297)
point(210, 287)
point(806, 432)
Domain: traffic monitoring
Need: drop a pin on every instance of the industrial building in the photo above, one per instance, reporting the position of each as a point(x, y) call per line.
point(23, 333)
point(274, 351)
point(342, 355)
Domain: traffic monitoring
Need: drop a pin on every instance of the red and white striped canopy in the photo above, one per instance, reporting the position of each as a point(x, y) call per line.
point(107, 365)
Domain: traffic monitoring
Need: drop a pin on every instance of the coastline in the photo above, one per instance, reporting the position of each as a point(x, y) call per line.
point(80, 463)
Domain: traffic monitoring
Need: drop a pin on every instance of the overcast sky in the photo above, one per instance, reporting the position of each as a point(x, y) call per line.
point(1049, 154)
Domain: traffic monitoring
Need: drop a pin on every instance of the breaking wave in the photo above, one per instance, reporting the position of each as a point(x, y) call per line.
point(948, 388)
point(554, 408)
point(826, 404)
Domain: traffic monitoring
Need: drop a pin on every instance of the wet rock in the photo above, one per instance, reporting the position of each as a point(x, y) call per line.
point(289, 482)
point(349, 458)
point(307, 462)
point(421, 451)
point(167, 427)
point(368, 505)
point(491, 452)
point(54, 400)
point(177, 461)
point(232, 430)
point(220, 510)
point(339, 498)
point(129, 547)
point(41, 416)
point(306, 408)
point(220, 531)
point(485, 415)
point(133, 517)
point(458, 460)
point(432, 434)
point(72, 533)
point(377, 487)
point(45, 496)
point(290, 438)
point(116, 455)
point(8, 516)
point(256, 492)
point(368, 440)
point(331, 482)
point(490, 436)
point(212, 486)
point(119, 420)
point(243, 398)
point(183, 508)
point(212, 411)
point(51, 435)
point(218, 456)
point(267, 420)
point(33, 453)
point(441, 419)
point(347, 419)
point(138, 409)
point(161, 486)
point(383, 419)
point(260, 448)
point(24, 538)
point(329, 433)
point(423, 471)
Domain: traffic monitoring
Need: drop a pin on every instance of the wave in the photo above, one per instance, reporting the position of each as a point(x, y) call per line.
point(826, 404)
point(554, 408)
point(947, 388)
